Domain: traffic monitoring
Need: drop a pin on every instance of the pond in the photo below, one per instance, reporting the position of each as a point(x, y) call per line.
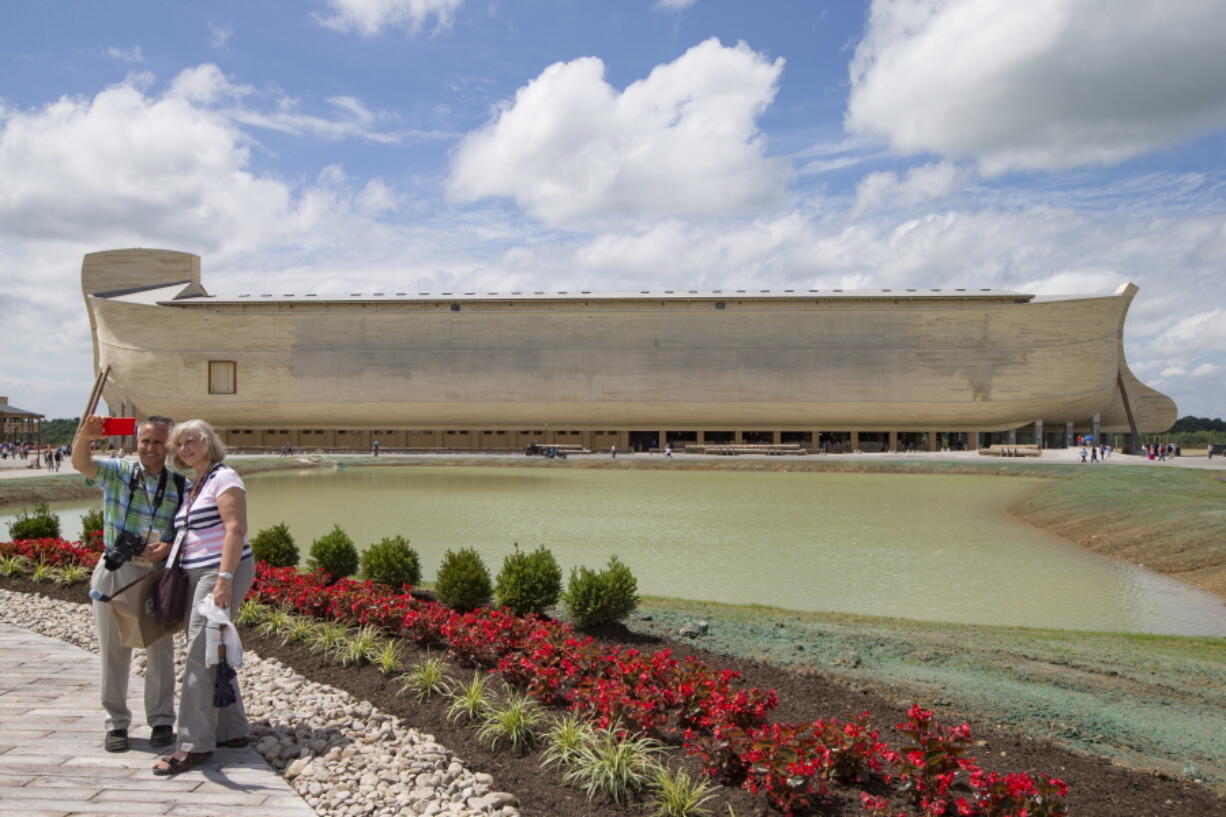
point(933, 547)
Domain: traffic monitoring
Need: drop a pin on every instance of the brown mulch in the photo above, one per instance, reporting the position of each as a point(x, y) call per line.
point(1096, 787)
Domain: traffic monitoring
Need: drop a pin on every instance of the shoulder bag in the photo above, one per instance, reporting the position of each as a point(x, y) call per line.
point(170, 595)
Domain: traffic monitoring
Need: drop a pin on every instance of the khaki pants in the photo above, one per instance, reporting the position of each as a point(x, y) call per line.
point(116, 665)
point(202, 725)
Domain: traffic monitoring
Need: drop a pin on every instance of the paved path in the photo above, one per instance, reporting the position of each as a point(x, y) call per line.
point(52, 762)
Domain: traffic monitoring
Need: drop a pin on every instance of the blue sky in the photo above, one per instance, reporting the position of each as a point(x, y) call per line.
point(1054, 147)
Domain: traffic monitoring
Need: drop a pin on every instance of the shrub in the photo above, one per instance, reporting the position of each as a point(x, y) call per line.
point(593, 598)
point(468, 701)
point(426, 679)
point(392, 562)
point(69, 575)
point(275, 546)
point(679, 795)
point(42, 524)
point(463, 582)
point(614, 765)
point(335, 554)
point(251, 613)
point(565, 738)
point(514, 723)
point(529, 582)
point(327, 638)
point(14, 565)
point(387, 659)
point(358, 647)
point(91, 521)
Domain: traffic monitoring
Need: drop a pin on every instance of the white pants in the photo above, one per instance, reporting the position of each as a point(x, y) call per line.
point(117, 663)
point(202, 725)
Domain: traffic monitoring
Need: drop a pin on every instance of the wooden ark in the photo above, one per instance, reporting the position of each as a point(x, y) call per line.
point(416, 369)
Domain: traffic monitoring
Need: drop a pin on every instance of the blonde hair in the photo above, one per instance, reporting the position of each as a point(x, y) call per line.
point(214, 447)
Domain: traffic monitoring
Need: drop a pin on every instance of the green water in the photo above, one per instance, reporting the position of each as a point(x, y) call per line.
point(929, 547)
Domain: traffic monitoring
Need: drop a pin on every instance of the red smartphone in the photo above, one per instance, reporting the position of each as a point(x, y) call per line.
point(119, 426)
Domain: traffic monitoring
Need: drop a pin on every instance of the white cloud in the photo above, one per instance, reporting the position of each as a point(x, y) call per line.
point(1208, 370)
point(1045, 84)
point(1194, 335)
point(131, 167)
point(205, 84)
point(219, 35)
point(673, 5)
point(369, 17)
point(132, 54)
point(919, 184)
point(683, 142)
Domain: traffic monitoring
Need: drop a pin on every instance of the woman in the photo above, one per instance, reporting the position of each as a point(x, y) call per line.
point(217, 558)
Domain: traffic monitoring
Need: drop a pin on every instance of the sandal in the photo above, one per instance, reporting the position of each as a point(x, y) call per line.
point(169, 764)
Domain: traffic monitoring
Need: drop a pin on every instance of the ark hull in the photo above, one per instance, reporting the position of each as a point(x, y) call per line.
point(814, 361)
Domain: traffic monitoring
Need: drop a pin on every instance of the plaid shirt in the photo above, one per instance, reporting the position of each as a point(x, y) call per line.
point(113, 478)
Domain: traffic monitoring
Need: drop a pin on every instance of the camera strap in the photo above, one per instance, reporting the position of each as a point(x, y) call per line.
point(133, 483)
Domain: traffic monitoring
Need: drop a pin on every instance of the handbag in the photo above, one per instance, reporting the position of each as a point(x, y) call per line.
point(170, 594)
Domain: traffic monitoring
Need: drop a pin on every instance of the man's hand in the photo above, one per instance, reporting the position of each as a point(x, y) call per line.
point(91, 429)
point(157, 551)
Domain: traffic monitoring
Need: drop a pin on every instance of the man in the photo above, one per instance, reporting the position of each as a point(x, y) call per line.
point(141, 499)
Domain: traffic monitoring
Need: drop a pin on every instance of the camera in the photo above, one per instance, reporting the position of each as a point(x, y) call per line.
point(126, 546)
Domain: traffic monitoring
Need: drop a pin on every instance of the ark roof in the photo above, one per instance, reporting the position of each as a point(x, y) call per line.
point(169, 295)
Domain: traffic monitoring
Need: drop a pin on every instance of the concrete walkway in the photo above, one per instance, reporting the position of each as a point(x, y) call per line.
point(52, 761)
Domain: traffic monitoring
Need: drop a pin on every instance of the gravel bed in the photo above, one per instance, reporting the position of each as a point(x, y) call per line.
point(343, 755)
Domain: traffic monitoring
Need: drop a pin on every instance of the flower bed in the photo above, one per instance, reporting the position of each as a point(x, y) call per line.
point(687, 702)
point(55, 552)
point(683, 702)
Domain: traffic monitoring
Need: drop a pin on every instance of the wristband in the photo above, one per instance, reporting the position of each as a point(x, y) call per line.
point(229, 576)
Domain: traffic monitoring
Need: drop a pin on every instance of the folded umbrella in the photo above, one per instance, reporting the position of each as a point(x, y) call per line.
point(223, 680)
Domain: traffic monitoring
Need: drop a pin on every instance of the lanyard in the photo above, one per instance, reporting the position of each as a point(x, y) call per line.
point(138, 477)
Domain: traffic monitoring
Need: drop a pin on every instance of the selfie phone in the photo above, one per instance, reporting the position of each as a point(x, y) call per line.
point(119, 426)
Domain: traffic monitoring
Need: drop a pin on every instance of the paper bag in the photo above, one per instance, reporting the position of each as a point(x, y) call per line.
point(134, 617)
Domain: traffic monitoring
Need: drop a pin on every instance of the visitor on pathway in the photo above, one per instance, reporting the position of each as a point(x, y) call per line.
point(217, 558)
point(139, 501)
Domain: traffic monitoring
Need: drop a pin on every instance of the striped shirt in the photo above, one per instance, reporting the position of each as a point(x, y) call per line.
point(206, 533)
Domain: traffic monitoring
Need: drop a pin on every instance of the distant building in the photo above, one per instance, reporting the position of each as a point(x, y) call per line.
point(867, 370)
point(18, 425)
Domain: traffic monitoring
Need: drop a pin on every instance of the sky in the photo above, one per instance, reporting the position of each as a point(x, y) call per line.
point(335, 146)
